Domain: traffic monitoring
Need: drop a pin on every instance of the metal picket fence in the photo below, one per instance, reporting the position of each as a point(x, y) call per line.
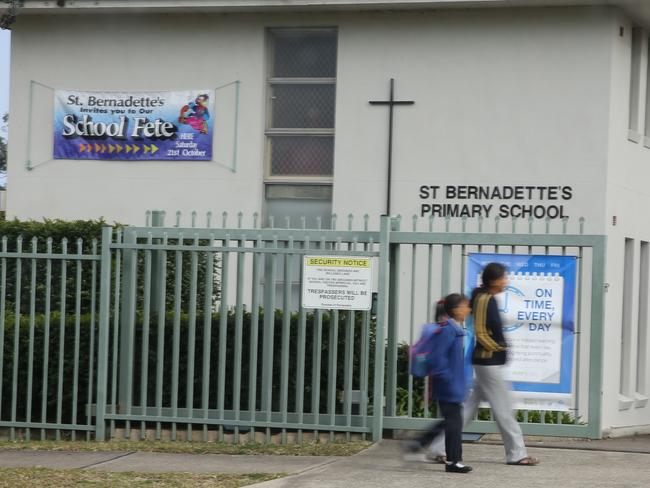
point(428, 262)
point(48, 294)
point(198, 333)
point(244, 370)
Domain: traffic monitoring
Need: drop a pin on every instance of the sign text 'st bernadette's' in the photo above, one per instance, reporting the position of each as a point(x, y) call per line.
point(134, 125)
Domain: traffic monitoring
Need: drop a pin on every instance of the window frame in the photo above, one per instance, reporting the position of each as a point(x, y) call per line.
point(270, 82)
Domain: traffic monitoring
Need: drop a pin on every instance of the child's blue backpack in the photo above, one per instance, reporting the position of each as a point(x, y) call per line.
point(423, 353)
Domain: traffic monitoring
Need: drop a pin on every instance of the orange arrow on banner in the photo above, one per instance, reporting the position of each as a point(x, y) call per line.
point(97, 148)
point(82, 148)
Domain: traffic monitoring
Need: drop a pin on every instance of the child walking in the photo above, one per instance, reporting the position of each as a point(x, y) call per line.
point(448, 380)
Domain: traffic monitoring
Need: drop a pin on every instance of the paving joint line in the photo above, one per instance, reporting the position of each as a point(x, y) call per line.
point(320, 465)
point(368, 449)
point(306, 470)
point(92, 465)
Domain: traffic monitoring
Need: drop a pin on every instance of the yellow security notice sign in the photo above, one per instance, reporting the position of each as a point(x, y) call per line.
point(337, 282)
point(338, 262)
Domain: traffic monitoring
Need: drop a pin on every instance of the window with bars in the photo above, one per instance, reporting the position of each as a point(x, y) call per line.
point(300, 126)
point(301, 88)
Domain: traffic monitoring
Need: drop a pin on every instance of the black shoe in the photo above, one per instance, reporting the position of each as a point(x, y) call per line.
point(458, 468)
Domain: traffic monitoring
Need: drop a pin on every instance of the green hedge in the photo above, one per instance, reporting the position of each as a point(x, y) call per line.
point(84, 346)
point(64, 292)
point(85, 356)
point(57, 230)
point(53, 342)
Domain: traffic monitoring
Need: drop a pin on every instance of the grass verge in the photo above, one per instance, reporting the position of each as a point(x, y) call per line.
point(305, 449)
point(29, 477)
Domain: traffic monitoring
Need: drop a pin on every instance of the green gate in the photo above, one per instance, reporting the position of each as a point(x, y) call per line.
point(427, 264)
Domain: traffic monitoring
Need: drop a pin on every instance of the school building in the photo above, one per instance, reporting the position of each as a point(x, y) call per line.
point(524, 109)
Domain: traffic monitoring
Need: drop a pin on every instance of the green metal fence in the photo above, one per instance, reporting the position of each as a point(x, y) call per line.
point(199, 333)
point(226, 364)
point(48, 310)
point(427, 263)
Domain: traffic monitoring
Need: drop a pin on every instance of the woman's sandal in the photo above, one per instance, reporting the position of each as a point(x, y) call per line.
point(440, 459)
point(437, 459)
point(527, 461)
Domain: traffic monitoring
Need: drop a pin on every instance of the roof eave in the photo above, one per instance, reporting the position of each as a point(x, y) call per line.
point(638, 10)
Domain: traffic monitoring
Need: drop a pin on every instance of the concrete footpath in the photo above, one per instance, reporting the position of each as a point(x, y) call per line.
point(156, 462)
point(383, 466)
point(566, 463)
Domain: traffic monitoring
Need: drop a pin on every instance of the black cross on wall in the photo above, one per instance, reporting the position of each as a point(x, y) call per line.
point(391, 102)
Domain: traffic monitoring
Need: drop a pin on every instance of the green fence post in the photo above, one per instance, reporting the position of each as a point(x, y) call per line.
point(270, 266)
point(127, 322)
point(157, 220)
point(392, 325)
point(102, 341)
point(382, 312)
point(445, 279)
point(596, 339)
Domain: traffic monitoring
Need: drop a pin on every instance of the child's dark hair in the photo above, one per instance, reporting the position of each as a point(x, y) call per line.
point(491, 273)
point(446, 306)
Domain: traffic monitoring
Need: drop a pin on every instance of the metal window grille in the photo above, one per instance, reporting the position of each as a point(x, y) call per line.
point(304, 53)
point(301, 87)
point(302, 155)
point(305, 106)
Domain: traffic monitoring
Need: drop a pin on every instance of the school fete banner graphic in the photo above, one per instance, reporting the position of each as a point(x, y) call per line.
point(133, 125)
point(538, 314)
